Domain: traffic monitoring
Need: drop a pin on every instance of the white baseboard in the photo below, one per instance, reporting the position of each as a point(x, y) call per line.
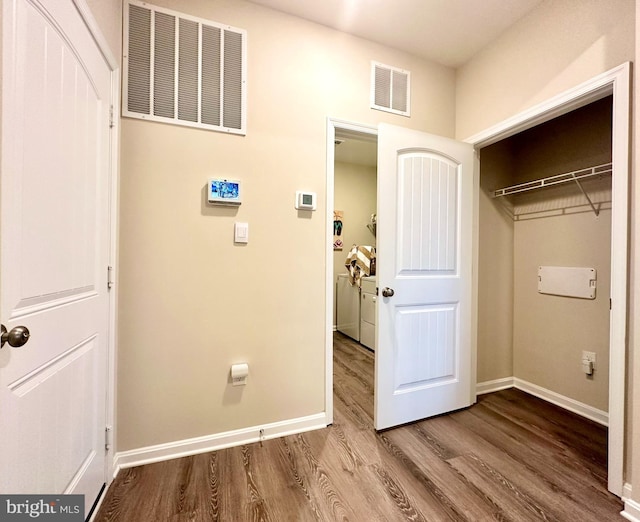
point(594, 414)
point(184, 448)
point(631, 510)
point(494, 386)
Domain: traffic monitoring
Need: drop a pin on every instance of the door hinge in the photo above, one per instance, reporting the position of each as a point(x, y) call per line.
point(109, 277)
point(111, 122)
point(108, 437)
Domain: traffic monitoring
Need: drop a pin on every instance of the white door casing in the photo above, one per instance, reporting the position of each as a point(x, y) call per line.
point(54, 250)
point(425, 198)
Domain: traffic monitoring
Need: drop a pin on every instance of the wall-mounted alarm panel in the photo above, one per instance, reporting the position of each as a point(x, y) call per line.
point(224, 192)
point(305, 200)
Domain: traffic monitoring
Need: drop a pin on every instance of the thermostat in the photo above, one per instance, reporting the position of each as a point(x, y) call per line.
point(223, 192)
point(305, 200)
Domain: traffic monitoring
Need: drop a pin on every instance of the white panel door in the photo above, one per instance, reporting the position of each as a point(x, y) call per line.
point(423, 360)
point(54, 239)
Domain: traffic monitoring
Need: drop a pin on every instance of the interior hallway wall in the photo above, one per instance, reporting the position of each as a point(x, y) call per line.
point(191, 302)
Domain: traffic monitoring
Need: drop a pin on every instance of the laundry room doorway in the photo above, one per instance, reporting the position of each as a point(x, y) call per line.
point(353, 264)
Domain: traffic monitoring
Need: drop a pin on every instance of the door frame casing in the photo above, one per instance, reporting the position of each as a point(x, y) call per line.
point(617, 82)
point(114, 180)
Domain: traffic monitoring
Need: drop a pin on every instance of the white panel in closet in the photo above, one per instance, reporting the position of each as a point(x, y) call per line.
point(567, 281)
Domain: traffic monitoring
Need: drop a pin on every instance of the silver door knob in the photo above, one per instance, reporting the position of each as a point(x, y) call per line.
point(17, 337)
point(387, 292)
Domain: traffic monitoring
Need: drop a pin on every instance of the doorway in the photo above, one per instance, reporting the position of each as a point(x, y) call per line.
point(353, 201)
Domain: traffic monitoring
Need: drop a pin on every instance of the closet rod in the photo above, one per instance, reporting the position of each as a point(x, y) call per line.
point(576, 175)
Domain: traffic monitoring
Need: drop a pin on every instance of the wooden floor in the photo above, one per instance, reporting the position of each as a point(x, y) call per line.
point(509, 457)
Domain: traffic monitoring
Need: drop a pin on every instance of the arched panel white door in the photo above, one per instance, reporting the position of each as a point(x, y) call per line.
point(423, 357)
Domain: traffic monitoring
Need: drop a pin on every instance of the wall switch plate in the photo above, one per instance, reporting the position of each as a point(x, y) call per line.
point(241, 233)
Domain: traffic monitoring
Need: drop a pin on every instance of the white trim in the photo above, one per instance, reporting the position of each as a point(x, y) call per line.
point(96, 32)
point(631, 510)
point(114, 209)
point(626, 491)
point(372, 89)
point(184, 448)
point(616, 81)
point(494, 385)
point(114, 174)
point(579, 96)
point(594, 414)
point(584, 410)
point(175, 120)
point(356, 128)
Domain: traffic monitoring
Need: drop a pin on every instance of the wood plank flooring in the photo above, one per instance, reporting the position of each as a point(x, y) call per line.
point(510, 457)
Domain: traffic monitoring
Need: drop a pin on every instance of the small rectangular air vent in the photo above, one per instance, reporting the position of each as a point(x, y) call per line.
point(390, 89)
point(183, 70)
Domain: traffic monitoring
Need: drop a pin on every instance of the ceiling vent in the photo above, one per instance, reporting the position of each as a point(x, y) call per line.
point(390, 89)
point(183, 70)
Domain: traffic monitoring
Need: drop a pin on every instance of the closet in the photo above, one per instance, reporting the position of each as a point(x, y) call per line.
point(545, 201)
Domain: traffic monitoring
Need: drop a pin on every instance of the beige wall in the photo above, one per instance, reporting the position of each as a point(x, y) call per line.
point(556, 47)
point(108, 15)
point(495, 267)
point(191, 302)
point(521, 333)
point(355, 193)
point(550, 332)
point(633, 406)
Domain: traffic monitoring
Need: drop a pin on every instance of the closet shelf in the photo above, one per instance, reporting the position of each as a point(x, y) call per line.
point(568, 177)
point(554, 180)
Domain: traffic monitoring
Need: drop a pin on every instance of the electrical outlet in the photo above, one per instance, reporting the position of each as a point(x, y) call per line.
point(588, 362)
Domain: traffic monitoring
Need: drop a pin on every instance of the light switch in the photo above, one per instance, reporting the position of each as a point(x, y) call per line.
point(241, 233)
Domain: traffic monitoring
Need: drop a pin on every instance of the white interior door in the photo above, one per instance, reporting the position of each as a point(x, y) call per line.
point(425, 199)
point(54, 240)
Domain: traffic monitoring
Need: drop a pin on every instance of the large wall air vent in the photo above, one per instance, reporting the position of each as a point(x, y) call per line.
point(390, 89)
point(183, 70)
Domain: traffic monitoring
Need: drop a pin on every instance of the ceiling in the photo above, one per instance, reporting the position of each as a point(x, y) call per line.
point(354, 150)
point(449, 32)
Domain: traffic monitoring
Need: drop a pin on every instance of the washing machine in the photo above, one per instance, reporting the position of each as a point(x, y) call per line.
point(348, 308)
